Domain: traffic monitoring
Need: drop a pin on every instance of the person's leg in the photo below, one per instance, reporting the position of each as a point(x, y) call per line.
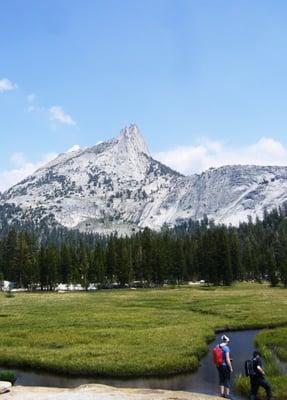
point(254, 388)
point(227, 377)
point(221, 381)
point(267, 388)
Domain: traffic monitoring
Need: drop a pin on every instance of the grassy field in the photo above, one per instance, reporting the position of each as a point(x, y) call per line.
point(129, 332)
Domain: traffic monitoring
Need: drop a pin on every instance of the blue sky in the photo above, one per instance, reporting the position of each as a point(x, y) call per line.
point(205, 80)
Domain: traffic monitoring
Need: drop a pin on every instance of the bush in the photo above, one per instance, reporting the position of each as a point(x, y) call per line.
point(8, 376)
point(9, 294)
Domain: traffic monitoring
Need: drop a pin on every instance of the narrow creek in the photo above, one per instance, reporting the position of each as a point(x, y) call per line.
point(204, 380)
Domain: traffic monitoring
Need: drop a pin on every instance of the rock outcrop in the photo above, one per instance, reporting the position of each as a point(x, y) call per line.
point(99, 392)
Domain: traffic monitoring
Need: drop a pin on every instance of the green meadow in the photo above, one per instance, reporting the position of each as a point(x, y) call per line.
point(133, 332)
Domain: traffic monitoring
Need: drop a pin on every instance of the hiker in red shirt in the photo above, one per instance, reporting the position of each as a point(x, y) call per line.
point(221, 355)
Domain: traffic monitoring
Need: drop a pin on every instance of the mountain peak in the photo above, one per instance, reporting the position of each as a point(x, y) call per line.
point(131, 137)
point(116, 186)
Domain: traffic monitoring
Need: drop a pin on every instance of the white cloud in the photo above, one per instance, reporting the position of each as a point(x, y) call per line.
point(57, 114)
point(21, 168)
point(6, 85)
point(31, 98)
point(206, 154)
point(18, 159)
point(33, 108)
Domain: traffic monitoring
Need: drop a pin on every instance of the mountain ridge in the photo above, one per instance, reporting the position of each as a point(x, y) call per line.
point(117, 186)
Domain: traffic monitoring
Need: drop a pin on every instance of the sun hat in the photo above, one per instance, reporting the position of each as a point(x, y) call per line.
point(225, 338)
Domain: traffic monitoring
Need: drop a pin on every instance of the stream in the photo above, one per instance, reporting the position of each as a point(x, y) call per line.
point(204, 380)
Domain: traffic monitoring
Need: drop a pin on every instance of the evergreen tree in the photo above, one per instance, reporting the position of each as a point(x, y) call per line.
point(84, 266)
point(42, 266)
point(65, 263)
point(8, 255)
point(99, 265)
point(273, 277)
point(123, 263)
point(223, 257)
point(25, 267)
point(111, 261)
point(146, 248)
point(236, 265)
point(51, 266)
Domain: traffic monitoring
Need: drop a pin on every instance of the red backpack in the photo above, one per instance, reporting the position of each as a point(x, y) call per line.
point(217, 355)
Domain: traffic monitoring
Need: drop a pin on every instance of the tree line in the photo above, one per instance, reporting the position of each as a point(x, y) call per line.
point(192, 251)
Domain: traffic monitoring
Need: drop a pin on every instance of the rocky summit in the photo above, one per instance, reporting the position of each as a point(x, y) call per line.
point(117, 186)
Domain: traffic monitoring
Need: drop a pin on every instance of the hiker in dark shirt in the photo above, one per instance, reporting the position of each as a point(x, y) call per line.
point(258, 378)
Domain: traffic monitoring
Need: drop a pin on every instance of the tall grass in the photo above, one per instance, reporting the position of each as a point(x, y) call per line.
point(129, 332)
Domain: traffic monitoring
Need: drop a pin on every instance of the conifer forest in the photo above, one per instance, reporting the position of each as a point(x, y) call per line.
point(35, 258)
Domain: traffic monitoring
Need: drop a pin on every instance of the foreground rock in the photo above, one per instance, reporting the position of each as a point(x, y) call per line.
point(5, 387)
point(99, 392)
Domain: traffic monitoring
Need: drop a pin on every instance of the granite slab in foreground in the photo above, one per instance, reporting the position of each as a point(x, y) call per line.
point(5, 387)
point(99, 392)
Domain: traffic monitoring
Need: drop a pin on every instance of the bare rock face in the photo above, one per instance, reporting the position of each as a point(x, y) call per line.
point(99, 392)
point(117, 186)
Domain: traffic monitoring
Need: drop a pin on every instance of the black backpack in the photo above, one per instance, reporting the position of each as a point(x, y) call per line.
point(249, 368)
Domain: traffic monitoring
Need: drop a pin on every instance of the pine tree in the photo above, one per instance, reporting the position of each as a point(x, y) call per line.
point(65, 263)
point(8, 255)
point(42, 265)
point(51, 266)
point(123, 263)
point(84, 266)
point(272, 268)
point(99, 265)
point(111, 261)
point(146, 247)
point(75, 276)
point(247, 260)
point(236, 265)
point(223, 257)
point(25, 264)
point(283, 273)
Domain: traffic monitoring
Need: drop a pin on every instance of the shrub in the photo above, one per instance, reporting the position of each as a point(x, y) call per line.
point(9, 294)
point(8, 376)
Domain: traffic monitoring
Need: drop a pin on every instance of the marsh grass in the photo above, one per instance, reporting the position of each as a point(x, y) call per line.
point(129, 332)
point(276, 341)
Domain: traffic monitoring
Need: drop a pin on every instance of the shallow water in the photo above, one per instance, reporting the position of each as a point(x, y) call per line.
point(204, 380)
